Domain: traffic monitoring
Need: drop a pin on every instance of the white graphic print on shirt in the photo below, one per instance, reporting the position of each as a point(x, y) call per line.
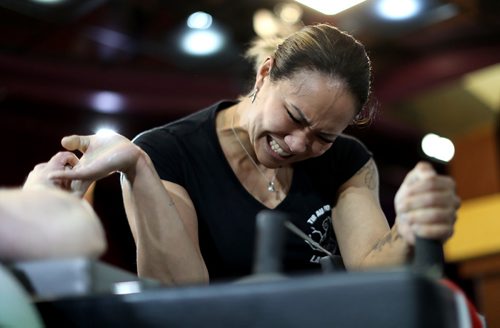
point(321, 233)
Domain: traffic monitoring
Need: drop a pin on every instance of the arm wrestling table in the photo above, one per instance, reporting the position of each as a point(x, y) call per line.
point(406, 297)
point(376, 299)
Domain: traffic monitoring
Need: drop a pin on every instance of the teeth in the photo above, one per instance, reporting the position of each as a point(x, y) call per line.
point(277, 149)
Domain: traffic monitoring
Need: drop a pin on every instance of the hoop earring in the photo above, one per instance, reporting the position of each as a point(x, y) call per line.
point(253, 95)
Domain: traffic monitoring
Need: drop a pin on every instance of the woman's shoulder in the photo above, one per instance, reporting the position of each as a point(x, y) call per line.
point(346, 153)
point(192, 123)
point(349, 143)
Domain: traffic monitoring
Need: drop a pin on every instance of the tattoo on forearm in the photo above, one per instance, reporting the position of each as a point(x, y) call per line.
point(389, 238)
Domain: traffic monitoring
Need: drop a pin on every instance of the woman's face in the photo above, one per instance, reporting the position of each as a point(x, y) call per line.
point(296, 119)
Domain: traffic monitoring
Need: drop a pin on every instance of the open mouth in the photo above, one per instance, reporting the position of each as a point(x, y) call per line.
point(277, 149)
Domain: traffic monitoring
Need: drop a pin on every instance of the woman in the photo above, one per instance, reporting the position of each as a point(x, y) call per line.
point(192, 188)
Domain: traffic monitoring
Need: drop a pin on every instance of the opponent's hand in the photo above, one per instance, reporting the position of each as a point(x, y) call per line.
point(426, 205)
point(103, 154)
point(39, 177)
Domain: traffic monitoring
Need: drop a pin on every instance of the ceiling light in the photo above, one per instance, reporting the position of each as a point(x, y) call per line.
point(199, 20)
point(265, 23)
point(438, 147)
point(107, 102)
point(202, 42)
point(398, 9)
point(289, 12)
point(330, 7)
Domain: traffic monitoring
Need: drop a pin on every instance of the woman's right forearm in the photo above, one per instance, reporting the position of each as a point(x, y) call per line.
point(166, 250)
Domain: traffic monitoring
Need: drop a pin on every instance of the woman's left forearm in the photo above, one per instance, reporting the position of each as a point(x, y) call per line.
point(390, 250)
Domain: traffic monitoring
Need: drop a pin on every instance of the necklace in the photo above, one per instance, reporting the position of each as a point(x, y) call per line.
point(270, 183)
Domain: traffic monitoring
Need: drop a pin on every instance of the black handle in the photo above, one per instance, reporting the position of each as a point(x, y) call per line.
point(269, 242)
point(429, 257)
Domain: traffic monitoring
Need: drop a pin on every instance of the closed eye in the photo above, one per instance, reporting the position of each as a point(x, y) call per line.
point(296, 120)
point(324, 138)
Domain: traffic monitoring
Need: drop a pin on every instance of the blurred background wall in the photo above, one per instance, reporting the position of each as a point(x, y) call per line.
point(75, 66)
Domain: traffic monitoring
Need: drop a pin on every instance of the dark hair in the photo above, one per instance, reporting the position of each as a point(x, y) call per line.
point(325, 49)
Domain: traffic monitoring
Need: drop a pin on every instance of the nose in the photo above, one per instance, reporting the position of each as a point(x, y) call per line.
point(298, 141)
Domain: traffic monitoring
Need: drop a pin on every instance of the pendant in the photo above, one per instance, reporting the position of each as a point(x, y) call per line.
point(270, 186)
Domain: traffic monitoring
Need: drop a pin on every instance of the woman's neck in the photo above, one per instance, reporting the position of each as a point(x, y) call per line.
point(269, 186)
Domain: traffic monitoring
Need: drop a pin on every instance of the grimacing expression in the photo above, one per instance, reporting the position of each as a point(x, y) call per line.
point(299, 118)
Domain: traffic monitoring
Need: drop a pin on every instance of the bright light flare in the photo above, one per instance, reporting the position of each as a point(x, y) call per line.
point(127, 287)
point(290, 13)
point(330, 7)
point(199, 20)
point(438, 147)
point(398, 9)
point(265, 23)
point(198, 42)
point(107, 102)
point(105, 131)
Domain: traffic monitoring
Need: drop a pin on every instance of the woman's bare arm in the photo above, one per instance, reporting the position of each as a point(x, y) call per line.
point(425, 205)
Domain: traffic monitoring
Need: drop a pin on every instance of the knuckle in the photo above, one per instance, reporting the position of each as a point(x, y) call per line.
point(39, 166)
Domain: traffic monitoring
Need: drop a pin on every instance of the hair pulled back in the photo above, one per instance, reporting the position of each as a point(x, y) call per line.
point(322, 48)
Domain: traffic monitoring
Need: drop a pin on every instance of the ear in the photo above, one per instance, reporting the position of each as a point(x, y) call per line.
point(263, 72)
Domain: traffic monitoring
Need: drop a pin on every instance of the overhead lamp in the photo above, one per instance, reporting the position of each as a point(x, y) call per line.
point(288, 12)
point(107, 102)
point(199, 20)
point(330, 7)
point(202, 42)
point(202, 37)
point(398, 9)
point(265, 24)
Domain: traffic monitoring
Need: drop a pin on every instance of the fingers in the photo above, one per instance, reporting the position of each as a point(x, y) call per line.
point(421, 171)
point(68, 174)
point(433, 231)
point(406, 231)
point(62, 159)
point(443, 198)
point(87, 171)
point(39, 176)
point(426, 204)
point(76, 142)
point(422, 179)
point(429, 216)
point(57, 162)
point(424, 169)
